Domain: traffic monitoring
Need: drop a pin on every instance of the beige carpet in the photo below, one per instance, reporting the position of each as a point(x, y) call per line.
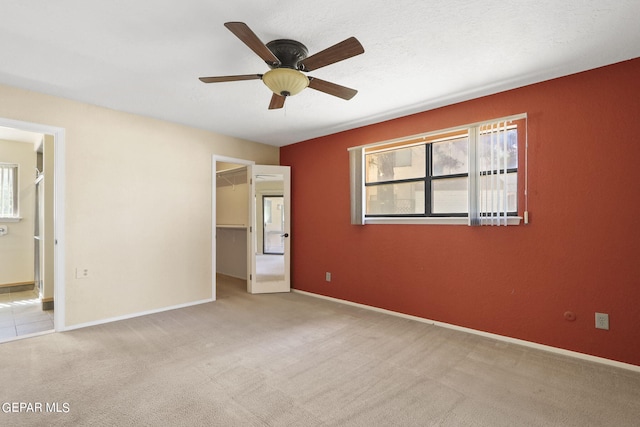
point(295, 360)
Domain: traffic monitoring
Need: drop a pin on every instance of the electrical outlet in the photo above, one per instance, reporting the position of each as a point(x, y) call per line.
point(327, 276)
point(602, 321)
point(82, 273)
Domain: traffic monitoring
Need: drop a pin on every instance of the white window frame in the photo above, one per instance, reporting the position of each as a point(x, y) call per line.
point(358, 170)
point(15, 191)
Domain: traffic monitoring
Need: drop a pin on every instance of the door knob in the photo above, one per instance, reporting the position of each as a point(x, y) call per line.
point(284, 235)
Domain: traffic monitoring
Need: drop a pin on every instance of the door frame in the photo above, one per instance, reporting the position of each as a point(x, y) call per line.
point(215, 159)
point(58, 134)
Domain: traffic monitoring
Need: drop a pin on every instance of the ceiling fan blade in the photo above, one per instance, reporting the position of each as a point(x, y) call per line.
point(277, 101)
point(222, 79)
point(338, 52)
point(248, 37)
point(332, 88)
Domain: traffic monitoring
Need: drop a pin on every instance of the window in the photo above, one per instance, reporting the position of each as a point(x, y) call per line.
point(8, 190)
point(427, 179)
point(469, 172)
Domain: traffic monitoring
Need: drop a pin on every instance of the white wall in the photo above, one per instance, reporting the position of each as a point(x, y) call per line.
point(138, 204)
point(16, 248)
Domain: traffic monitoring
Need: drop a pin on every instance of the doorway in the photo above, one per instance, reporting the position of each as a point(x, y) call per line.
point(239, 228)
point(230, 218)
point(37, 307)
point(27, 265)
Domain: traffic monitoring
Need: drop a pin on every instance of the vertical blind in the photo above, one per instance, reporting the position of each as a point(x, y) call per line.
point(491, 171)
point(8, 190)
point(493, 167)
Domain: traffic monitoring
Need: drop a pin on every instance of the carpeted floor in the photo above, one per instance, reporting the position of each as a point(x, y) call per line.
point(294, 360)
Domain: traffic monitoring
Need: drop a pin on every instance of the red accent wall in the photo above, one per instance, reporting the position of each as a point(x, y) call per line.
point(580, 252)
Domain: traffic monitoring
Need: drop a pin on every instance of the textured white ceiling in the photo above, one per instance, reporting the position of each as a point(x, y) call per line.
point(145, 56)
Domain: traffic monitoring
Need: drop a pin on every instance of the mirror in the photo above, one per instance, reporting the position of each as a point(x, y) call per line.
point(270, 225)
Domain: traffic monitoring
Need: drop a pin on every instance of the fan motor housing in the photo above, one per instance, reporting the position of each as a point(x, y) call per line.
point(289, 52)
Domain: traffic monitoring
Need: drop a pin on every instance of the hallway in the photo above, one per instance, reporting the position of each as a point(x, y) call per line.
point(21, 314)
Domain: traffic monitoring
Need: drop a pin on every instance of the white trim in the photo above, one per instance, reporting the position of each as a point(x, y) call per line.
point(58, 215)
point(453, 220)
point(497, 337)
point(132, 315)
point(60, 285)
point(11, 219)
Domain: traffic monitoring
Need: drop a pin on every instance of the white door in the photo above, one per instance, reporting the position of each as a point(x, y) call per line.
point(270, 202)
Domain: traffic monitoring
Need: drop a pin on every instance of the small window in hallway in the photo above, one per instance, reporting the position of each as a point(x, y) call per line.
point(8, 190)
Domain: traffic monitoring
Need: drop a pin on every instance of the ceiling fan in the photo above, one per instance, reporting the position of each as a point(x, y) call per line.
point(288, 60)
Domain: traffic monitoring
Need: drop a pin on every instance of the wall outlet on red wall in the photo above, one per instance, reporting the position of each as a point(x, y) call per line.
point(602, 321)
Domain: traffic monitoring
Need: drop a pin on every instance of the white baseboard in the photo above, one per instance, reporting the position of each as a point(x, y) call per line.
point(233, 276)
point(21, 337)
point(129, 316)
point(503, 338)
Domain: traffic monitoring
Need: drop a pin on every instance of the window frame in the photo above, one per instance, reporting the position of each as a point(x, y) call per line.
point(359, 170)
point(427, 179)
point(15, 214)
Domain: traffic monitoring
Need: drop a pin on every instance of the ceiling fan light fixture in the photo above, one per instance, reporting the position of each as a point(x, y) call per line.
point(285, 81)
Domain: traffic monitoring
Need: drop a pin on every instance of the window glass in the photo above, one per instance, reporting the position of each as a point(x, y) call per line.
point(395, 199)
point(8, 190)
point(450, 157)
point(449, 196)
point(398, 164)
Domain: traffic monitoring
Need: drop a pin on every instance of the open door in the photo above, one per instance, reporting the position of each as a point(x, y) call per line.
point(269, 233)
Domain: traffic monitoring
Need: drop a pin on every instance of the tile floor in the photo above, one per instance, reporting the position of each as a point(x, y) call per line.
point(21, 314)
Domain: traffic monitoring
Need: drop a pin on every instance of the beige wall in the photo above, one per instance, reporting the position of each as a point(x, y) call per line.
point(16, 247)
point(231, 256)
point(138, 204)
point(232, 207)
point(232, 216)
point(47, 232)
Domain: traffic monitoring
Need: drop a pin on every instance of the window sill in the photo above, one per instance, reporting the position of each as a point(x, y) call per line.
point(10, 219)
point(512, 220)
